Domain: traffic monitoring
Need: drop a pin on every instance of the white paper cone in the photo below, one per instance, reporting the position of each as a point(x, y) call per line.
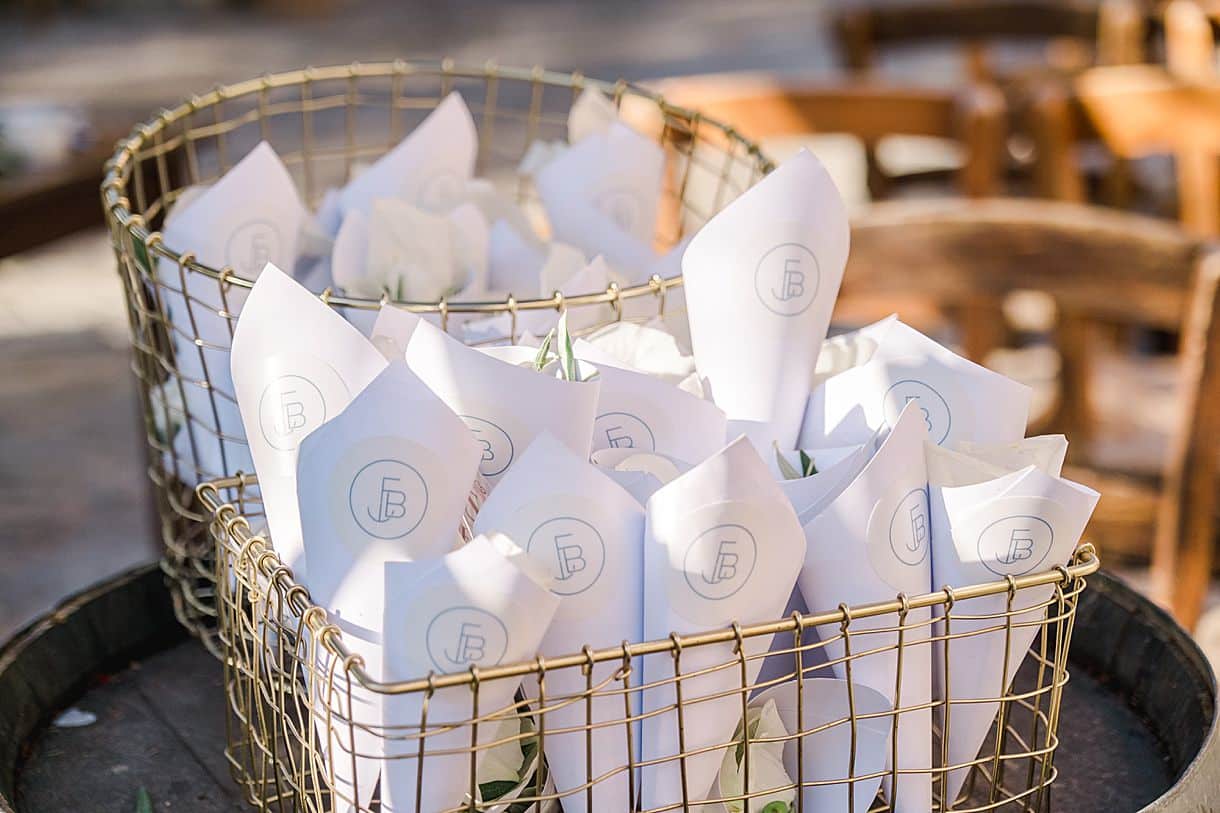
point(589, 535)
point(296, 364)
point(250, 217)
point(827, 755)
point(641, 412)
point(482, 605)
point(506, 406)
point(721, 543)
point(761, 279)
point(866, 378)
point(602, 193)
point(428, 168)
point(385, 480)
point(993, 517)
point(869, 544)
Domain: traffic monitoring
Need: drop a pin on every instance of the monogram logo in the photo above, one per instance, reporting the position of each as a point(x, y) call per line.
point(622, 430)
point(290, 408)
point(252, 246)
point(461, 637)
point(719, 561)
point(622, 207)
point(935, 411)
point(787, 278)
point(909, 535)
point(496, 444)
point(1015, 545)
point(388, 498)
point(572, 550)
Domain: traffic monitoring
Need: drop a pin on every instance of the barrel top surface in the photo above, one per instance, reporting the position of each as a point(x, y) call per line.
point(160, 725)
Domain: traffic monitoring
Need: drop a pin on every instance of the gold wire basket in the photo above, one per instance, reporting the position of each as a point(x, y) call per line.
point(323, 122)
point(295, 690)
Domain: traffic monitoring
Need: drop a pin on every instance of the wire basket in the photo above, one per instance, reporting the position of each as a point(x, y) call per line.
point(323, 122)
point(295, 689)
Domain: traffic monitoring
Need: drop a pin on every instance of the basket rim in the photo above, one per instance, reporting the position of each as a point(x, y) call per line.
point(236, 527)
point(118, 212)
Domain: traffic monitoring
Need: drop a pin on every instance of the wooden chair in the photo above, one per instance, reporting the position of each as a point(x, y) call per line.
point(1075, 34)
point(1101, 264)
point(763, 106)
point(1135, 111)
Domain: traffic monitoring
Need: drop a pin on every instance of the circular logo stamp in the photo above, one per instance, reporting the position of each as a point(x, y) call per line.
point(786, 279)
point(496, 444)
point(909, 531)
point(388, 498)
point(622, 430)
point(440, 192)
point(719, 561)
point(252, 246)
point(290, 408)
point(1015, 545)
point(572, 550)
point(622, 206)
point(461, 637)
point(934, 408)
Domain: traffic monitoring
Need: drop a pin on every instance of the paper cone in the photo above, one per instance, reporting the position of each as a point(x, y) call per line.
point(761, 279)
point(993, 517)
point(385, 480)
point(720, 546)
point(866, 378)
point(250, 217)
point(588, 534)
point(428, 168)
point(296, 364)
point(467, 610)
point(869, 544)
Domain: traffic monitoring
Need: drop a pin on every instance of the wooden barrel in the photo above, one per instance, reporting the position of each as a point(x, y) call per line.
point(1138, 728)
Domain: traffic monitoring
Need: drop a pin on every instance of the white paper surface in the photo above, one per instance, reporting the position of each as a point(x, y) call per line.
point(588, 534)
point(642, 412)
point(837, 468)
point(640, 473)
point(869, 544)
point(602, 193)
point(250, 217)
point(504, 405)
point(644, 348)
point(761, 280)
point(827, 755)
point(385, 480)
point(721, 543)
point(482, 605)
point(295, 365)
point(866, 378)
point(993, 515)
point(428, 168)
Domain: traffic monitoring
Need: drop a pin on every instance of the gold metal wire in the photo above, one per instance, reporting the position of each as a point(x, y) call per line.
point(324, 122)
point(285, 668)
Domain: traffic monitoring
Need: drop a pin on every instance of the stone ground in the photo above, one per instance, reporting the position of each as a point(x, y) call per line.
point(73, 498)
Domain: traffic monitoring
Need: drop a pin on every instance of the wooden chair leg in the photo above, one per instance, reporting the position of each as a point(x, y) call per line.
point(1182, 554)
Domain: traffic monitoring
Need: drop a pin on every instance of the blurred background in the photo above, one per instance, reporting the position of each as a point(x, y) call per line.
point(1101, 104)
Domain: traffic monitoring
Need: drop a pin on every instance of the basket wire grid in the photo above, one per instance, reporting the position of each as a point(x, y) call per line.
point(324, 122)
point(294, 688)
